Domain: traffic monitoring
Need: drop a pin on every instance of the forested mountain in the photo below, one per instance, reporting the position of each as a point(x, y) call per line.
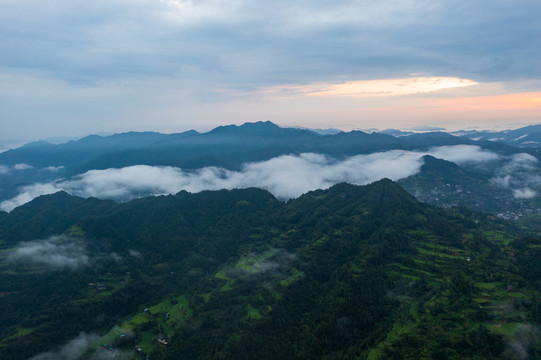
point(351, 272)
point(529, 136)
point(446, 184)
point(487, 168)
point(227, 146)
point(248, 142)
point(42, 168)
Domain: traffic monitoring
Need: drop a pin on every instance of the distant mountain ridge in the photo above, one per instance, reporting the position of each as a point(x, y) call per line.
point(228, 147)
point(527, 137)
point(265, 138)
point(260, 136)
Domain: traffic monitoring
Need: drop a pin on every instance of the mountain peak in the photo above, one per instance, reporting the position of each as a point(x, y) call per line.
point(260, 128)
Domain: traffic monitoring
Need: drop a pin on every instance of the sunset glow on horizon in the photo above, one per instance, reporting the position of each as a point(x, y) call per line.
point(382, 87)
point(174, 65)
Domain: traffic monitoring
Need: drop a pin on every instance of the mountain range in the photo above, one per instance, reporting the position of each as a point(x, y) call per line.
point(231, 146)
point(499, 172)
point(350, 272)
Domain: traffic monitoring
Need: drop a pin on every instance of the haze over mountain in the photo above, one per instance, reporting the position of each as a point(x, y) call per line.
point(288, 162)
point(529, 136)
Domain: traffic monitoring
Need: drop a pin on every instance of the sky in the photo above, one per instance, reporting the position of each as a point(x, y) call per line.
point(72, 68)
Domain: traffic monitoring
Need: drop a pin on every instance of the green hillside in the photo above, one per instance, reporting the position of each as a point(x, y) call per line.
point(352, 272)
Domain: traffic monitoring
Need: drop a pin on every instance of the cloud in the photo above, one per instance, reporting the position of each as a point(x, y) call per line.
point(163, 37)
point(134, 253)
point(462, 154)
point(53, 168)
point(520, 162)
point(56, 252)
point(290, 176)
point(425, 128)
point(524, 338)
point(273, 261)
point(264, 268)
point(22, 166)
point(73, 350)
point(28, 193)
point(525, 193)
point(286, 176)
point(116, 60)
point(82, 346)
point(502, 181)
point(108, 61)
point(59, 252)
point(518, 173)
point(377, 88)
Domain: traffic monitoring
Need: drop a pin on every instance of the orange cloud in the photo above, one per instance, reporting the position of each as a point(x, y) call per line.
point(377, 88)
point(520, 101)
point(452, 113)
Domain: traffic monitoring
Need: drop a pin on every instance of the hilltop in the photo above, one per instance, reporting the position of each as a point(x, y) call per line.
point(348, 272)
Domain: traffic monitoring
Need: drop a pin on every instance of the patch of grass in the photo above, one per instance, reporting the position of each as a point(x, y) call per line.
point(253, 313)
point(414, 311)
point(179, 310)
point(227, 286)
point(436, 254)
point(400, 328)
point(322, 240)
point(483, 301)
point(406, 276)
point(504, 328)
point(411, 271)
point(140, 319)
point(161, 307)
point(488, 286)
point(221, 275)
point(287, 281)
point(147, 343)
point(21, 332)
point(247, 263)
point(75, 230)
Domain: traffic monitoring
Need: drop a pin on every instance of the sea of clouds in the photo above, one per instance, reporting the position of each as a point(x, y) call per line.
point(286, 176)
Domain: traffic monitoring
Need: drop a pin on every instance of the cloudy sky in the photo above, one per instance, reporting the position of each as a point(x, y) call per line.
point(71, 67)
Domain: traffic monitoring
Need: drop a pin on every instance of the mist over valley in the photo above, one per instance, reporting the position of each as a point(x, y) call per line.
point(286, 162)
